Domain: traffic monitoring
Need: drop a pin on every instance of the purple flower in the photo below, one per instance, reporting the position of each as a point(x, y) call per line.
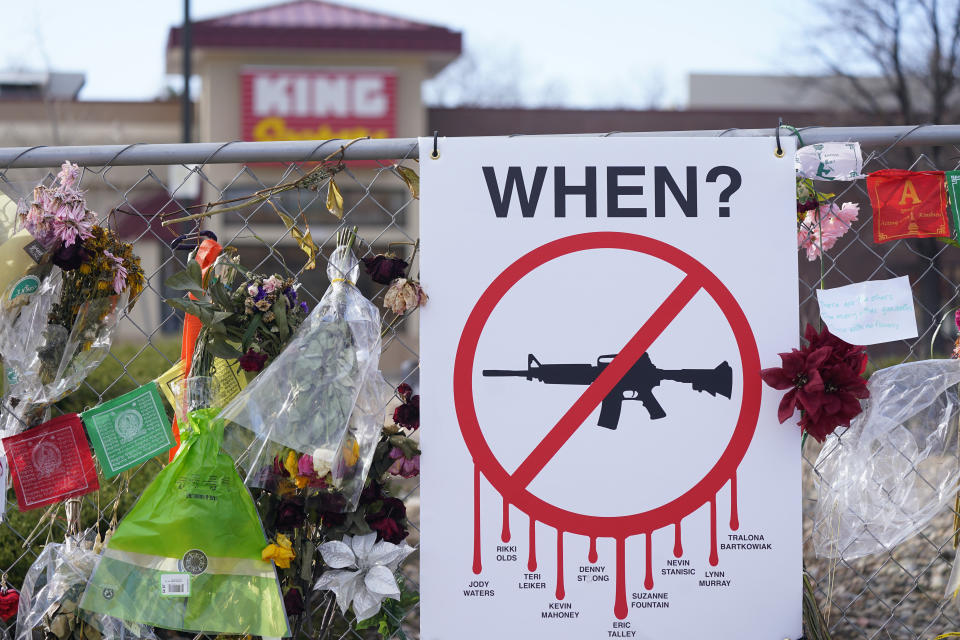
point(120, 273)
point(304, 307)
point(406, 468)
point(70, 258)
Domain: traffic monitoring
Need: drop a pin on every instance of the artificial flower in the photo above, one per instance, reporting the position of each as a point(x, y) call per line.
point(402, 466)
point(280, 552)
point(252, 360)
point(404, 295)
point(824, 225)
point(823, 380)
point(361, 572)
point(290, 515)
point(384, 269)
point(293, 602)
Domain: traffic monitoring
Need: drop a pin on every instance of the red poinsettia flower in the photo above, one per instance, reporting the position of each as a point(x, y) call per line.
point(823, 380)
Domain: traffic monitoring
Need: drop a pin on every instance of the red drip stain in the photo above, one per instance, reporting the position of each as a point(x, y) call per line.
point(620, 603)
point(714, 558)
point(477, 565)
point(505, 533)
point(592, 556)
point(532, 557)
point(648, 579)
point(560, 590)
point(677, 544)
point(734, 516)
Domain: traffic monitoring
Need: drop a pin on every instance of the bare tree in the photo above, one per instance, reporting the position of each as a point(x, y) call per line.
point(899, 59)
point(898, 62)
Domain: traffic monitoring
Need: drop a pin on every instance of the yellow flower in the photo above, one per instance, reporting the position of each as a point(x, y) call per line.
point(85, 268)
point(281, 552)
point(290, 464)
point(301, 481)
point(351, 454)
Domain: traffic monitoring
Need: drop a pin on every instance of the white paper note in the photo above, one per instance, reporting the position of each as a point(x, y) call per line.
point(870, 312)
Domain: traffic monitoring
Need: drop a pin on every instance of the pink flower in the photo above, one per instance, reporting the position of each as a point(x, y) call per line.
point(823, 226)
point(68, 176)
point(402, 466)
point(305, 465)
point(272, 283)
point(253, 290)
point(120, 273)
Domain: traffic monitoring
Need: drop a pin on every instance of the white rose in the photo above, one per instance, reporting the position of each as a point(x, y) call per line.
point(322, 461)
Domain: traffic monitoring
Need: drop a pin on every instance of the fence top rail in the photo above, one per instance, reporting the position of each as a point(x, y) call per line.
point(401, 148)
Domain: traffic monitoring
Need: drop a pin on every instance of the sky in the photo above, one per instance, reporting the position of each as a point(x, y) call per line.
point(601, 52)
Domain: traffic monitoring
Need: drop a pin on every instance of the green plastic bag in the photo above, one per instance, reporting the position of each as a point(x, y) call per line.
point(187, 556)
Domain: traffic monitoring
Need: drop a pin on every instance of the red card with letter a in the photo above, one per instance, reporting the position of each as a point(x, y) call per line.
point(908, 204)
point(51, 463)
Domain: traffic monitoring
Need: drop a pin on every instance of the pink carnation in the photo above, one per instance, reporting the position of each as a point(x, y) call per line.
point(823, 226)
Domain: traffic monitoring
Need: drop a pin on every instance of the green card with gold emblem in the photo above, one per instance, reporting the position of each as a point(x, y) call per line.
point(129, 430)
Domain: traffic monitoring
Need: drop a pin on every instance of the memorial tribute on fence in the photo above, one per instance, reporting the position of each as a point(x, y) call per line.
point(604, 271)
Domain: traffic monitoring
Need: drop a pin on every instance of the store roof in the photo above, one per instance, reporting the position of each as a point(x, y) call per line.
point(315, 24)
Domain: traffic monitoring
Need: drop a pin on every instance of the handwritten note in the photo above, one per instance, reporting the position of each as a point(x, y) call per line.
point(870, 312)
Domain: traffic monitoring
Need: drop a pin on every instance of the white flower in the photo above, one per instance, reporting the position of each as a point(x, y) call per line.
point(361, 572)
point(404, 295)
point(322, 461)
point(253, 290)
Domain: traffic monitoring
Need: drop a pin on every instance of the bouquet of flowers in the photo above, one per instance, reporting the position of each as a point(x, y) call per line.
point(305, 401)
point(251, 320)
point(57, 321)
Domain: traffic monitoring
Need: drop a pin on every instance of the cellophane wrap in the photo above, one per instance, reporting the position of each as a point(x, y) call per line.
point(45, 362)
point(895, 468)
point(197, 519)
point(52, 590)
point(306, 398)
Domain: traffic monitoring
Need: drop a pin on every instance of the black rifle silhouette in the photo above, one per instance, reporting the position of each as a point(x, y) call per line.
point(637, 384)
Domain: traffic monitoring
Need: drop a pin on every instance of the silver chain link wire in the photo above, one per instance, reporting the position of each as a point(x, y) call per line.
point(895, 594)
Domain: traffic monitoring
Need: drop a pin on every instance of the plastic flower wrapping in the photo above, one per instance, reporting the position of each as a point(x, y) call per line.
point(57, 320)
point(323, 396)
point(51, 593)
point(895, 468)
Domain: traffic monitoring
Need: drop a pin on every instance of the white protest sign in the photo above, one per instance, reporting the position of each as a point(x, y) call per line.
point(602, 459)
point(870, 312)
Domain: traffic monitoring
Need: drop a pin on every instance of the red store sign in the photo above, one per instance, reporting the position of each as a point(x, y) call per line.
point(317, 104)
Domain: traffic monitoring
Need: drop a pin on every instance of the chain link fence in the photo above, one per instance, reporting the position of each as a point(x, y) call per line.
point(895, 594)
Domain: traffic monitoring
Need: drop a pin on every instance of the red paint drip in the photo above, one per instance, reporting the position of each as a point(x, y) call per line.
point(592, 556)
point(620, 604)
point(734, 516)
point(505, 533)
point(532, 556)
point(648, 579)
point(677, 544)
point(477, 565)
point(560, 591)
point(714, 558)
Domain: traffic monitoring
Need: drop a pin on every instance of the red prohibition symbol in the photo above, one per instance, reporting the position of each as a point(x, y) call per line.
point(513, 487)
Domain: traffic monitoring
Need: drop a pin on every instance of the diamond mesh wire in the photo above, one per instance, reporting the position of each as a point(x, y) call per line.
point(894, 594)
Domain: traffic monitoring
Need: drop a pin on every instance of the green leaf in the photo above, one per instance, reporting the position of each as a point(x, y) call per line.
point(220, 295)
point(183, 281)
point(220, 316)
point(223, 349)
point(249, 333)
point(187, 306)
point(280, 311)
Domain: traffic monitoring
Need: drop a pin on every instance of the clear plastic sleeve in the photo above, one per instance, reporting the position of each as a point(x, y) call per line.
point(896, 466)
point(323, 395)
point(45, 362)
point(52, 590)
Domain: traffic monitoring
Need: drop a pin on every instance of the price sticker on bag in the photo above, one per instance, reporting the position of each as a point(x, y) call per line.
point(175, 585)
